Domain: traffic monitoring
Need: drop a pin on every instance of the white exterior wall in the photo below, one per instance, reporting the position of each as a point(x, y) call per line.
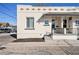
point(39, 28)
point(67, 37)
point(74, 26)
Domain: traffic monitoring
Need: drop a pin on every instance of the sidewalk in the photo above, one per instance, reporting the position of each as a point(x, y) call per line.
point(51, 47)
point(55, 47)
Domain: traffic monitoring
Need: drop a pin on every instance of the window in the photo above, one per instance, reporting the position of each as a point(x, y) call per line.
point(64, 23)
point(53, 23)
point(46, 23)
point(30, 23)
point(77, 22)
point(70, 18)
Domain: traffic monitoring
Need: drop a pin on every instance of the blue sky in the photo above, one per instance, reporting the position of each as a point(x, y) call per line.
point(8, 10)
point(8, 13)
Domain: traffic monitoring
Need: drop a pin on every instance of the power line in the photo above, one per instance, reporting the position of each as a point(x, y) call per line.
point(7, 10)
point(7, 14)
point(5, 7)
point(4, 16)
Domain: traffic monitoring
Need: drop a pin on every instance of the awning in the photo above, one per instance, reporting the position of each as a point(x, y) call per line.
point(62, 14)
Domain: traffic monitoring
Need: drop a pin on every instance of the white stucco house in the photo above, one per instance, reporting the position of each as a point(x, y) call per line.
point(38, 21)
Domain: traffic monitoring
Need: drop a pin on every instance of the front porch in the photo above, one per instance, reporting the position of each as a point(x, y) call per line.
point(65, 31)
point(63, 23)
point(63, 26)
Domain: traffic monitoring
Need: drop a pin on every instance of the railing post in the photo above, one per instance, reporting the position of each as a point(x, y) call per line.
point(53, 31)
point(74, 31)
point(64, 30)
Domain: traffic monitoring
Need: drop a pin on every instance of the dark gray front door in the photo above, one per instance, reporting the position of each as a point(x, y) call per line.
point(53, 24)
point(64, 23)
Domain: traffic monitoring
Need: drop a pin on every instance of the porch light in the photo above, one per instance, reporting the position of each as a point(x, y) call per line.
point(21, 9)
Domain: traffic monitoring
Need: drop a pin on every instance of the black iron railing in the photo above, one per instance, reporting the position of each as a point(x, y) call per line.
point(65, 31)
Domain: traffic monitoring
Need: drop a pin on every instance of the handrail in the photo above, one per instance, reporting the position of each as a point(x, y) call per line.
point(66, 31)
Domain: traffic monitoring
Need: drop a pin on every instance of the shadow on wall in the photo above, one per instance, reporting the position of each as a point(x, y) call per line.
point(14, 35)
point(1, 48)
point(30, 40)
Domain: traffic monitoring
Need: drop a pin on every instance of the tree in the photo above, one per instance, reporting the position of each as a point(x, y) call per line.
point(7, 24)
point(0, 24)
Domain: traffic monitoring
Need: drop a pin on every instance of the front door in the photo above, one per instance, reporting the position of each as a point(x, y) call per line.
point(67, 22)
point(53, 24)
point(64, 23)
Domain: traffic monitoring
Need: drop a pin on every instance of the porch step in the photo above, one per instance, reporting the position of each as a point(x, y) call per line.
point(48, 38)
point(69, 37)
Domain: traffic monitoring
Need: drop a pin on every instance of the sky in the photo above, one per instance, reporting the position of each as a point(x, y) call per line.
point(8, 10)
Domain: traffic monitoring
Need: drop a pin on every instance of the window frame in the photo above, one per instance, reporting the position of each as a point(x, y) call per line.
point(28, 27)
point(46, 23)
point(77, 22)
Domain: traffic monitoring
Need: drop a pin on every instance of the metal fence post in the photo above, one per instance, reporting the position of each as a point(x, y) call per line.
point(64, 30)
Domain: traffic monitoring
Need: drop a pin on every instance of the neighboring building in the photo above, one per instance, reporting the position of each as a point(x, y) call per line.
point(38, 21)
point(14, 28)
point(6, 27)
point(4, 24)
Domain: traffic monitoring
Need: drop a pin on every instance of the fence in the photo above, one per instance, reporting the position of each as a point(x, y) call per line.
point(5, 30)
point(74, 31)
